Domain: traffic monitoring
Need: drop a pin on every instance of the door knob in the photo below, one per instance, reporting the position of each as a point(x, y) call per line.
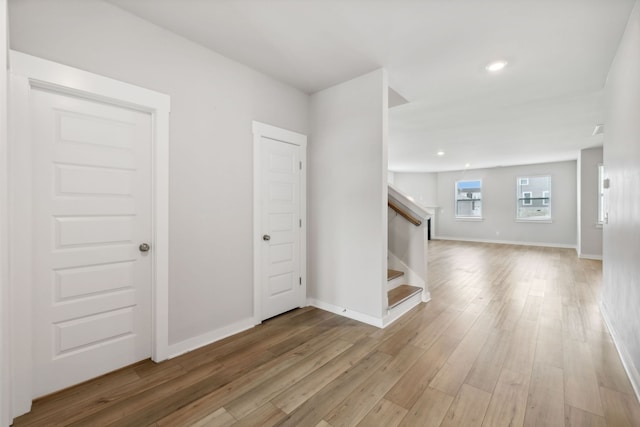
point(266, 237)
point(144, 247)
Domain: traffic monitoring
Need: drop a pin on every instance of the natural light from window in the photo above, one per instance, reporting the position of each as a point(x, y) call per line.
point(469, 199)
point(534, 198)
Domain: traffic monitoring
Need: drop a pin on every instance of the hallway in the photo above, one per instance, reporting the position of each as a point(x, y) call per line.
point(513, 336)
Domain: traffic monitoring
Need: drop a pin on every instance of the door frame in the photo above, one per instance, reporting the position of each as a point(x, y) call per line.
point(27, 72)
point(261, 130)
point(4, 224)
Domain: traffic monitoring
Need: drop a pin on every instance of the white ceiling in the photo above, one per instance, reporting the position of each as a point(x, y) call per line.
point(542, 107)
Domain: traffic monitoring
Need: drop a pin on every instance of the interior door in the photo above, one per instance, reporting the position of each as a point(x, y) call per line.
point(91, 212)
point(281, 225)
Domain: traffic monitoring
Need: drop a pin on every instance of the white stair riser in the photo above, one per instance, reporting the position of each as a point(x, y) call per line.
point(396, 282)
point(397, 311)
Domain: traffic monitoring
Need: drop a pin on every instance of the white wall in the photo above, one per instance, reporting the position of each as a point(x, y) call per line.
point(621, 238)
point(590, 232)
point(213, 101)
point(391, 177)
point(348, 196)
point(499, 206)
point(423, 187)
point(4, 261)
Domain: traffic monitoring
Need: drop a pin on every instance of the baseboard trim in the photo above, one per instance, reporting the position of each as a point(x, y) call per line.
point(589, 256)
point(627, 362)
point(506, 242)
point(342, 311)
point(426, 296)
point(194, 343)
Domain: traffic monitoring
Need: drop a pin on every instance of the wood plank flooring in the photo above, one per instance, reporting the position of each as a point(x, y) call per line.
point(512, 336)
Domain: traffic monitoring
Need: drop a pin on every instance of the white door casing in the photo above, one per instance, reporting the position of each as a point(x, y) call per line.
point(96, 182)
point(279, 221)
point(4, 225)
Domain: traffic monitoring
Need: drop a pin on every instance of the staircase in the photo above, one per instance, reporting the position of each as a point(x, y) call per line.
point(406, 255)
point(392, 275)
point(398, 294)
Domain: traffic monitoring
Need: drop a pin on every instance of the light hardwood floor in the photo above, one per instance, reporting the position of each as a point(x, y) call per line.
point(513, 336)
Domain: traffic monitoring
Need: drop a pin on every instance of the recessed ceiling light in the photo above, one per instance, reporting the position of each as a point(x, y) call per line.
point(440, 153)
point(467, 165)
point(495, 66)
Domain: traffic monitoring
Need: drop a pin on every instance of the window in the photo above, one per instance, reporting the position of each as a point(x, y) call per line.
point(534, 198)
point(600, 194)
point(469, 199)
point(545, 198)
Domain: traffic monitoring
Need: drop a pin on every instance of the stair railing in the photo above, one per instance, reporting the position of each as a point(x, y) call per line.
point(405, 213)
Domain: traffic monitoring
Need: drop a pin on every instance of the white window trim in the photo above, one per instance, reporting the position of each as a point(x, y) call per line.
point(455, 202)
point(540, 221)
point(544, 220)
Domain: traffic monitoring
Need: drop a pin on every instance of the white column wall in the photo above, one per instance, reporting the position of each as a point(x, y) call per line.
point(621, 236)
point(348, 197)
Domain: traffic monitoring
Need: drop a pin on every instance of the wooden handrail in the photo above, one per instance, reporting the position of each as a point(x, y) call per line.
point(405, 214)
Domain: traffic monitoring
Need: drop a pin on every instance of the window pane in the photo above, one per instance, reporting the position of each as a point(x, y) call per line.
point(469, 199)
point(534, 198)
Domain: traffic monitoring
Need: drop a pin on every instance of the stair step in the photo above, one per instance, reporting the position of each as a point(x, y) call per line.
point(401, 293)
point(393, 274)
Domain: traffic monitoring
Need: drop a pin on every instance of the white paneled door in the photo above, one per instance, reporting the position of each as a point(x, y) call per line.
point(91, 213)
point(281, 227)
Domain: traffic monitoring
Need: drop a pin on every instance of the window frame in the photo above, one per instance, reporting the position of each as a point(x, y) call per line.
point(545, 193)
point(455, 202)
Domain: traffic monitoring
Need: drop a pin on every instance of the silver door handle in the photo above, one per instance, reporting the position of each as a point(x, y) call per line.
point(266, 237)
point(144, 247)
